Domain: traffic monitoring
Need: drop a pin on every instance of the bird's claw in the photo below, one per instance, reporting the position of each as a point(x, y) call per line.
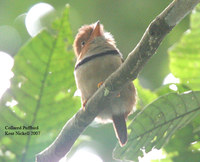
point(99, 84)
point(83, 105)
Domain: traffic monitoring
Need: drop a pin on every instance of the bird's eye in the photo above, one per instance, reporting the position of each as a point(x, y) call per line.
point(82, 43)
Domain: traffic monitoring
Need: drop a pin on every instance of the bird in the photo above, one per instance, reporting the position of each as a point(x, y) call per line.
point(97, 57)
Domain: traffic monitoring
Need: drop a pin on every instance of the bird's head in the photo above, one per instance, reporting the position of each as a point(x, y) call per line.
point(92, 39)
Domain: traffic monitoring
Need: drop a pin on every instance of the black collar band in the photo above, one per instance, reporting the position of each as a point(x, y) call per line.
point(110, 52)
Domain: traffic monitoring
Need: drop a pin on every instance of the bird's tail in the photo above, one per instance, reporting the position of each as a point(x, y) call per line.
point(119, 124)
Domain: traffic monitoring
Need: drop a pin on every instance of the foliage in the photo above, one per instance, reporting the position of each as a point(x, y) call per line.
point(145, 96)
point(42, 94)
point(185, 56)
point(42, 89)
point(154, 126)
point(184, 63)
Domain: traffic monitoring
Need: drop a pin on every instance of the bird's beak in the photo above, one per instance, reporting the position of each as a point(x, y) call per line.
point(96, 31)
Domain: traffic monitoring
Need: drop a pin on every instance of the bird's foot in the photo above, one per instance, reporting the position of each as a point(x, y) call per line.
point(99, 84)
point(83, 105)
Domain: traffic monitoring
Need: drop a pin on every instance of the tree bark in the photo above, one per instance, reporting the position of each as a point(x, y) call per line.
point(129, 70)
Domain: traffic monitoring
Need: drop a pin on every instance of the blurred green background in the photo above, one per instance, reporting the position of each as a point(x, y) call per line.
point(126, 20)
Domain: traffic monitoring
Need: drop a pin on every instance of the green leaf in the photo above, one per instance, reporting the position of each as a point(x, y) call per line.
point(184, 145)
point(185, 55)
point(172, 87)
point(155, 125)
point(181, 146)
point(145, 96)
point(41, 93)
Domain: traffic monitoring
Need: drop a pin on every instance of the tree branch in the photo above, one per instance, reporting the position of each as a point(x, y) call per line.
point(129, 70)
